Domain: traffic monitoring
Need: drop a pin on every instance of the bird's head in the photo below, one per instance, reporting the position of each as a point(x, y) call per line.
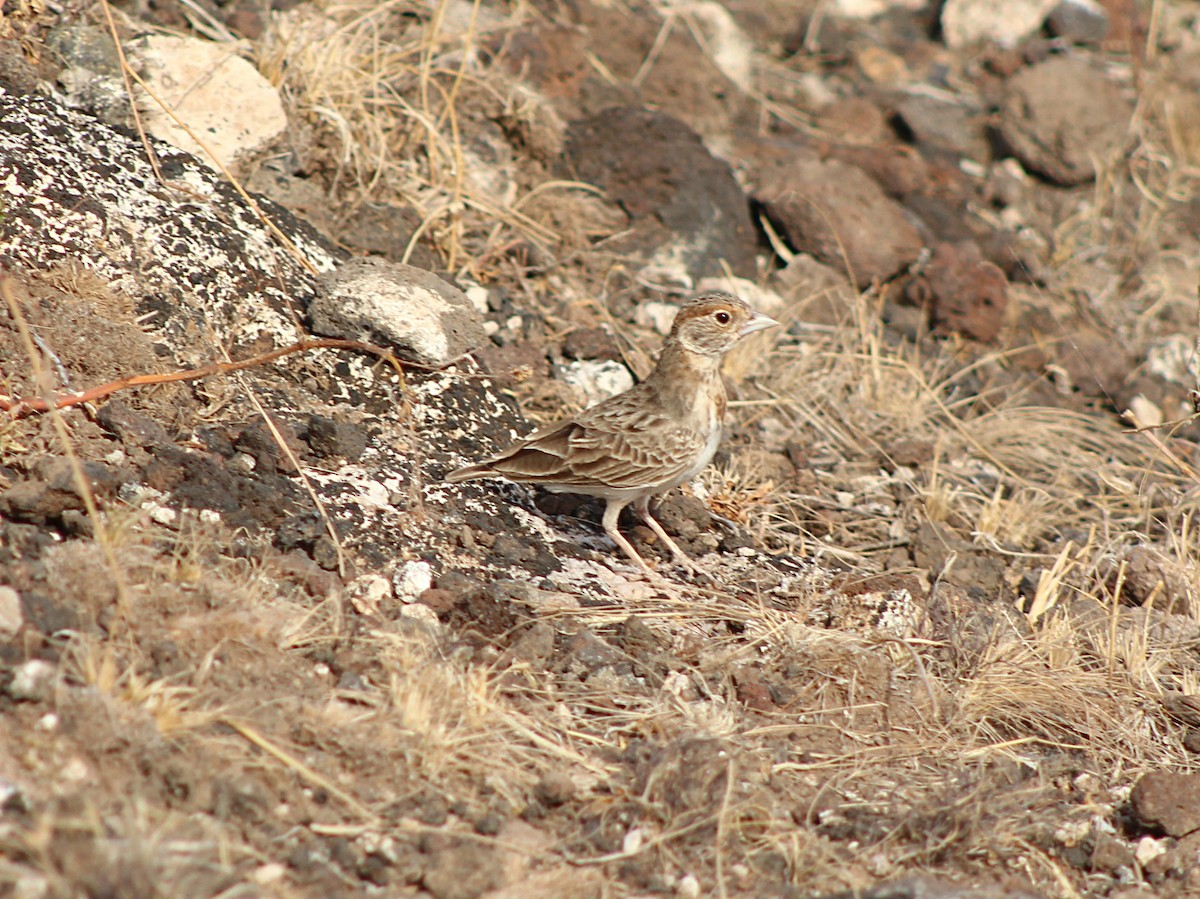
point(711, 323)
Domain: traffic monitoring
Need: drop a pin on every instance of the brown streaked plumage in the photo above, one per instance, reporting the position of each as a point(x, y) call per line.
point(654, 436)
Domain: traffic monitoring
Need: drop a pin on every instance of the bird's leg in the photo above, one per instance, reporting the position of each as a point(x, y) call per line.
point(612, 511)
point(642, 507)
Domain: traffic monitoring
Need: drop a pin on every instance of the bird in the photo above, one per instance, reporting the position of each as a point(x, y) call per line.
point(656, 435)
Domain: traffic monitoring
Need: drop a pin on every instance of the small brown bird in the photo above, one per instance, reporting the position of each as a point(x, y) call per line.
point(654, 436)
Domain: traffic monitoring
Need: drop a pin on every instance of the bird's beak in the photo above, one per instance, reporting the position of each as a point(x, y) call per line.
point(758, 322)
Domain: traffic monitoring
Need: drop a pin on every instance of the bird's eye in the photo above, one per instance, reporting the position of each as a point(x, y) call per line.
point(722, 317)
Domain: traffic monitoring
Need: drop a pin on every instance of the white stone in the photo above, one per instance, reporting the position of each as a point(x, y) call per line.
point(221, 97)
point(418, 611)
point(966, 22)
point(867, 9)
point(369, 592)
point(656, 314)
point(1173, 358)
point(687, 886)
point(596, 379)
point(1145, 412)
point(32, 681)
point(11, 617)
point(402, 307)
point(412, 579)
point(633, 841)
point(1148, 849)
point(725, 44)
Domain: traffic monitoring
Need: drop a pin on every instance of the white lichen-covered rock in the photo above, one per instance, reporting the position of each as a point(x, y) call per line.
point(218, 95)
point(401, 307)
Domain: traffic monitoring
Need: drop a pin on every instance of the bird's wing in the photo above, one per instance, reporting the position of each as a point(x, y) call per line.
point(607, 446)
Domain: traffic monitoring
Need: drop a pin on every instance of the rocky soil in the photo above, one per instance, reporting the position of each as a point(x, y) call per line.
point(943, 637)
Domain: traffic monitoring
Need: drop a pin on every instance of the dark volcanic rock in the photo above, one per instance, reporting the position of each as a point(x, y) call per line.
point(684, 204)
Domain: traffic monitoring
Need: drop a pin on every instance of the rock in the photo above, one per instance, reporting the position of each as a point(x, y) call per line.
point(591, 343)
point(219, 96)
point(1109, 854)
point(412, 579)
point(836, 212)
point(1167, 802)
point(464, 870)
point(555, 788)
point(966, 22)
point(1079, 21)
point(1061, 116)
point(596, 380)
point(967, 294)
point(868, 9)
point(944, 122)
point(131, 427)
point(32, 681)
point(328, 437)
point(91, 74)
point(687, 210)
point(11, 617)
point(416, 313)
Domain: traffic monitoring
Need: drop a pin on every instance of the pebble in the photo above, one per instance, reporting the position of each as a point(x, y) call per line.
point(412, 579)
point(32, 681)
point(11, 616)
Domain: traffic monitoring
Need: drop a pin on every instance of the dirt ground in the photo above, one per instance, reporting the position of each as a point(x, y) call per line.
point(945, 637)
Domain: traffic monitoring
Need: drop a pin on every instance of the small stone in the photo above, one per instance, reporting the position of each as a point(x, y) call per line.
point(966, 22)
point(597, 380)
point(368, 593)
point(422, 317)
point(11, 617)
point(412, 579)
point(1167, 802)
point(1148, 849)
point(328, 437)
point(32, 681)
point(555, 788)
point(1079, 21)
point(591, 343)
point(687, 886)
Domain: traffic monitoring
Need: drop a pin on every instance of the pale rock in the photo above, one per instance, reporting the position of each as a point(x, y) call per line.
point(687, 886)
point(596, 379)
point(32, 681)
point(412, 579)
point(1145, 412)
point(725, 43)
point(418, 611)
point(1149, 848)
point(1173, 358)
point(369, 592)
point(868, 9)
point(656, 314)
point(221, 97)
point(11, 617)
point(423, 318)
point(966, 22)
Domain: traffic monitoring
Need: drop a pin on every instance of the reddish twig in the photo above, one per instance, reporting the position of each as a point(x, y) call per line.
point(18, 407)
